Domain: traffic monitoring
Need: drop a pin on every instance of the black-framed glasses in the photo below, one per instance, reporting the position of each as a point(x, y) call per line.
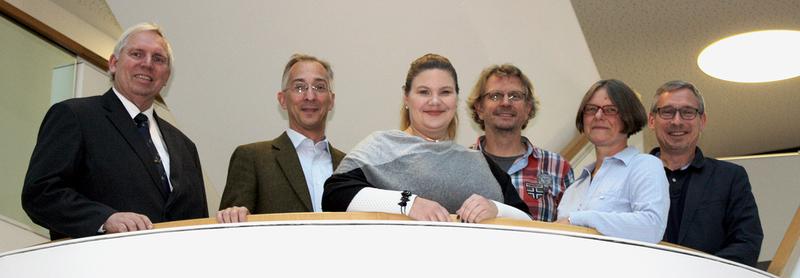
point(608, 110)
point(668, 112)
point(513, 96)
point(302, 87)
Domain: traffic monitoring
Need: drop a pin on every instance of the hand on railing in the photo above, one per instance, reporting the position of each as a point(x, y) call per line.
point(233, 214)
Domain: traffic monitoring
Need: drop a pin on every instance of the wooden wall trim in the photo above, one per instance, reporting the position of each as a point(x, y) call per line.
point(788, 244)
point(574, 147)
point(37, 27)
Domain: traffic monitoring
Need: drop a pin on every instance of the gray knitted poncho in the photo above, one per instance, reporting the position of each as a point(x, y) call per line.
point(444, 172)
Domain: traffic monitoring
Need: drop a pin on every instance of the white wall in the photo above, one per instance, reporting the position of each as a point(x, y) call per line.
point(230, 56)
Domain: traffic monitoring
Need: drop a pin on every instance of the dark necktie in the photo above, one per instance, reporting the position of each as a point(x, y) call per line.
point(144, 129)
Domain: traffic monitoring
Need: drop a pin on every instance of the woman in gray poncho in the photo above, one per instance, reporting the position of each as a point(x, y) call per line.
point(419, 171)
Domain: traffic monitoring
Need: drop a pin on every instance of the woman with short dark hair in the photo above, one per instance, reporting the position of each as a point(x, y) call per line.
point(624, 193)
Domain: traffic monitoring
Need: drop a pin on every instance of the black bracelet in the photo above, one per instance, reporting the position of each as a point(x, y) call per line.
point(404, 198)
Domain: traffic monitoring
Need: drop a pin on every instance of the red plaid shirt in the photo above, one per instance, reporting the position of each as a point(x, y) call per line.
point(541, 177)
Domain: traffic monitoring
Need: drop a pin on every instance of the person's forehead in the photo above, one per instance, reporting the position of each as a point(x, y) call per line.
point(303, 69)
point(600, 96)
point(139, 39)
point(495, 79)
point(434, 75)
point(681, 96)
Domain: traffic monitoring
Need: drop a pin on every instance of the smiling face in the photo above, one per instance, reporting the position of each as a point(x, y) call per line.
point(431, 102)
point(307, 110)
point(677, 135)
point(604, 130)
point(142, 68)
point(503, 115)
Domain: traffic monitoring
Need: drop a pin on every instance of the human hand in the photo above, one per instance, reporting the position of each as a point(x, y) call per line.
point(232, 215)
point(476, 209)
point(127, 222)
point(427, 210)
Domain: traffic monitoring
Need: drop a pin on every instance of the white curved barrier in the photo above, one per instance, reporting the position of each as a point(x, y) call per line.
point(361, 248)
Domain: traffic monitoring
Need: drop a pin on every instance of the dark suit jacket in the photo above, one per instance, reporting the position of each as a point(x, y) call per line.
point(266, 177)
point(90, 162)
point(720, 216)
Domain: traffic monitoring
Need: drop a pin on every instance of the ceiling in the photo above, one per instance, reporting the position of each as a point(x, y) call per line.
point(94, 12)
point(648, 42)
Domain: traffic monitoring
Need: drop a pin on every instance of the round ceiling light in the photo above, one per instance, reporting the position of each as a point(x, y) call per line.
point(760, 56)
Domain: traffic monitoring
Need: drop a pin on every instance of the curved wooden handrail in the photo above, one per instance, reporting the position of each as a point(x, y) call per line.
point(388, 216)
point(372, 216)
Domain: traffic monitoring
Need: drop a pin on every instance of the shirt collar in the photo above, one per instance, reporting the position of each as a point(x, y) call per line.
point(626, 155)
point(531, 149)
point(131, 108)
point(697, 161)
point(298, 139)
point(537, 153)
point(623, 156)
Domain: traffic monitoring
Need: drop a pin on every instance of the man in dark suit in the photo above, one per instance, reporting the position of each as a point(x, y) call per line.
point(108, 164)
point(712, 208)
point(288, 173)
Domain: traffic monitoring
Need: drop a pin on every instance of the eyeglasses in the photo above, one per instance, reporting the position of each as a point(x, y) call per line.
point(513, 96)
point(668, 112)
point(608, 110)
point(302, 87)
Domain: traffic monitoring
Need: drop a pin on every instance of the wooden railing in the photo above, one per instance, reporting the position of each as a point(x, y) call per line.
point(372, 216)
point(300, 216)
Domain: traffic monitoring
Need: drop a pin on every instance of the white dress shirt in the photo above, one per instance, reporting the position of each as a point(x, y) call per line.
point(155, 133)
point(316, 162)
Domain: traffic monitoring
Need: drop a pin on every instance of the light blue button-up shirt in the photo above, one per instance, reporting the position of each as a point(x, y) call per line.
point(627, 198)
point(315, 159)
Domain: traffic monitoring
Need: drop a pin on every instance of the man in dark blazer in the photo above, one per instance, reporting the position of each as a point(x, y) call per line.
point(108, 164)
point(712, 207)
point(288, 173)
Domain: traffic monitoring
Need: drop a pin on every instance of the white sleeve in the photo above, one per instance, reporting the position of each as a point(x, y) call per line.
point(370, 199)
point(507, 211)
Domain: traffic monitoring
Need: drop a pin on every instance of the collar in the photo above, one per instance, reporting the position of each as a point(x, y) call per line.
point(625, 156)
point(131, 108)
point(697, 161)
point(530, 150)
point(298, 139)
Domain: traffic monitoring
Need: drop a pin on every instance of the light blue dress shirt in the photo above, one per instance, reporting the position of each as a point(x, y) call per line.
point(627, 198)
point(315, 159)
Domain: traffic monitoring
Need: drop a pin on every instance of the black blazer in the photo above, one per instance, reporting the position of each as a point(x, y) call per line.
point(720, 215)
point(90, 162)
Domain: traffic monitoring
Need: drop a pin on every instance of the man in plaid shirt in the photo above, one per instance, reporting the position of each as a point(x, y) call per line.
point(502, 102)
